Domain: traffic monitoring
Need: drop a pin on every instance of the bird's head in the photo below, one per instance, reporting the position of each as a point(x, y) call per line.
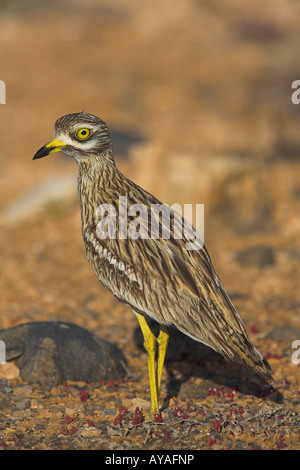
point(81, 135)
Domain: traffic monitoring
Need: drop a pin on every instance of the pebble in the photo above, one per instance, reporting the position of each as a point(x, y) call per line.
point(79, 408)
point(89, 431)
point(138, 403)
point(109, 411)
point(23, 404)
point(36, 404)
point(9, 371)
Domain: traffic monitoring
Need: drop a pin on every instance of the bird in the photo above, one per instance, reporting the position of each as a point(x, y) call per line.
point(158, 276)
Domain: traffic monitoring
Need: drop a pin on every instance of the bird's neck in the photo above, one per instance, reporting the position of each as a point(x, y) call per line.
point(94, 165)
point(96, 181)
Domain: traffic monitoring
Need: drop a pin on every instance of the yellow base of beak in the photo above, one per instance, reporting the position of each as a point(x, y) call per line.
point(54, 146)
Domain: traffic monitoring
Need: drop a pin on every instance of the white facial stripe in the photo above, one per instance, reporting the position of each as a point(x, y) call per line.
point(66, 139)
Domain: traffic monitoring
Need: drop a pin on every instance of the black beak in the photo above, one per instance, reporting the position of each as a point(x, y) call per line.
point(43, 152)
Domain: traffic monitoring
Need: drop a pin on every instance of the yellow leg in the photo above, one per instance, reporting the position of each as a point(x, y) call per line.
point(162, 340)
point(150, 346)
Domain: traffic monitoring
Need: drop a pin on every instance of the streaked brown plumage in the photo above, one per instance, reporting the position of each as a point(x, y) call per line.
point(156, 277)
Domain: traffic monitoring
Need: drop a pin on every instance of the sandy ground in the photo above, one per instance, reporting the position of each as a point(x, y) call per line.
point(207, 90)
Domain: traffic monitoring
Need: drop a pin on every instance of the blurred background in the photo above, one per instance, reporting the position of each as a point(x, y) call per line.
point(197, 95)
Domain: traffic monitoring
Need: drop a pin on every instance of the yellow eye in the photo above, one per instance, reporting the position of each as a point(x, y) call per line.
point(83, 133)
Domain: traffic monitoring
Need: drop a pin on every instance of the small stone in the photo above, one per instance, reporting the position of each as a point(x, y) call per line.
point(9, 371)
point(109, 411)
point(35, 404)
point(70, 412)
point(140, 403)
point(23, 404)
point(89, 431)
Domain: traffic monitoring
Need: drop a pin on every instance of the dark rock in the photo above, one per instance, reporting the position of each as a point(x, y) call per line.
point(50, 353)
point(260, 256)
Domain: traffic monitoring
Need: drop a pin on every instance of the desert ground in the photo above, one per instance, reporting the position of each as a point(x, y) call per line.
point(197, 96)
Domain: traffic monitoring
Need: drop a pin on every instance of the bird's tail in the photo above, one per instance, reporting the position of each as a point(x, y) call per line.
point(236, 343)
point(245, 353)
